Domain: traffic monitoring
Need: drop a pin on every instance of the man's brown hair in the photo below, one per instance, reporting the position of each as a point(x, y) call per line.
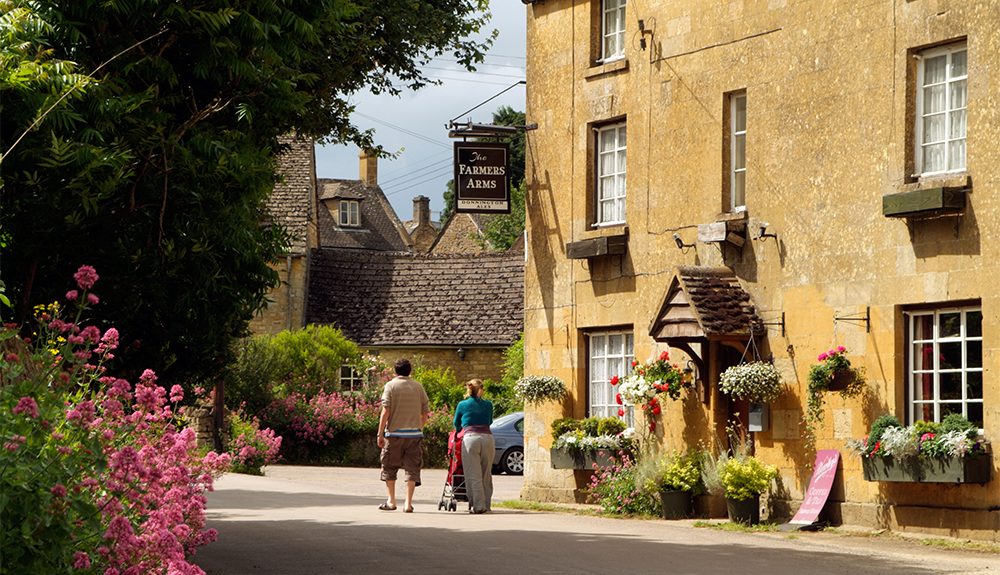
point(403, 367)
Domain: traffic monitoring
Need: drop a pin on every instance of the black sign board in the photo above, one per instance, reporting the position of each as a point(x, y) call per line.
point(482, 178)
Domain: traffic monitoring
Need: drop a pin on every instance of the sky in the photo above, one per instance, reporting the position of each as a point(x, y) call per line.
point(414, 123)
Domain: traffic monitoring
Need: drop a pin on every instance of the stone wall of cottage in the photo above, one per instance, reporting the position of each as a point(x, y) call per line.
point(286, 304)
point(830, 132)
point(479, 363)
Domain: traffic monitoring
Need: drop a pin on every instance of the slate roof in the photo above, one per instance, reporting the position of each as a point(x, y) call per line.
point(380, 229)
point(381, 299)
point(290, 201)
point(717, 301)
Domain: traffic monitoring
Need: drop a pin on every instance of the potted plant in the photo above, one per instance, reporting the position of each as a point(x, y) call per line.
point(647, 381)
point(739, 477)
point(758, 382)
point(535, 389)
point(833, 372)
point(925, 452)
point(588, 443)
point(743, 480)
point(676, 478)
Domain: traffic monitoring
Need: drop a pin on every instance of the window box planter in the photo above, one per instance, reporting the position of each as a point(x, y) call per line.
point(930, 470)
point(565, 459)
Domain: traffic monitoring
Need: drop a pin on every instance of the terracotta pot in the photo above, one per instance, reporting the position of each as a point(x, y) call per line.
point(676, 504)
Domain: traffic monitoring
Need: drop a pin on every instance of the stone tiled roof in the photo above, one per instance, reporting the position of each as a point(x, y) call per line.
point(458, 234)
point(289, 203)
point(380, 229)
point(707, 302)
point(381, 299)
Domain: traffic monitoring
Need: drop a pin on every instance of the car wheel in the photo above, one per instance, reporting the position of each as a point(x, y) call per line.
point(512, 461)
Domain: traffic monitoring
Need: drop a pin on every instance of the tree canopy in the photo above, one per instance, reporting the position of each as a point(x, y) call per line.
point(150, 131)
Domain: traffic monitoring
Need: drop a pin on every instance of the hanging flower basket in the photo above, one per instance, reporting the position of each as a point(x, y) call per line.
point(757, 381)
point(841, 379)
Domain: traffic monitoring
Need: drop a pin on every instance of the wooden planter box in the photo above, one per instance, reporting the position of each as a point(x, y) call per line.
point(562, 459)
point(931, 470)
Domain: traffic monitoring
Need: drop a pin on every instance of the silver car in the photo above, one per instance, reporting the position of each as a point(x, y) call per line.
point(508, 433)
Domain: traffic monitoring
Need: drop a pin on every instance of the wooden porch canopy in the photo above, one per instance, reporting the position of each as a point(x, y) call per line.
point(701, 305)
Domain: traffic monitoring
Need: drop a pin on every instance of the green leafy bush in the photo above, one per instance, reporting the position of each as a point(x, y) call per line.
point(564, 425)
point(443, 391)
point(513, 362)
point(250, 378)
point(670, 471)
point(590, 426)
point(610, 426)
point(745, 478)
point(502, 396)
point(440, 424)
point(309, 359)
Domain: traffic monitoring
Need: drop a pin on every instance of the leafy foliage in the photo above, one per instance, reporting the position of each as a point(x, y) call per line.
point(744, 478)
point(157, 169)
point(670, 471)
point(443, 390)
point(96, 475)
point(614, 489)
point(829, 364)
point(251, 447)
point(310, 359)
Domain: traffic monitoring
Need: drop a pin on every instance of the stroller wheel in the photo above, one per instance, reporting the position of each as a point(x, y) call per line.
point(454, 506)
point(440, 505)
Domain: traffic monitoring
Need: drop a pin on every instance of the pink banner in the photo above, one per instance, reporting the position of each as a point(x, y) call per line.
point(819, 487)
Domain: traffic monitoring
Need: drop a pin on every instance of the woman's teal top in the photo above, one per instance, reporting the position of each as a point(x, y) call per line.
point(473, 411)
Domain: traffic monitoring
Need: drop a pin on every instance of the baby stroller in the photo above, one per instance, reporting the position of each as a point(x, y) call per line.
point(454, 485)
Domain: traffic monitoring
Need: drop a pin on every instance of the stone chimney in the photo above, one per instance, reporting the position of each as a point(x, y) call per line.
point(423, 234)
point(422, 210)
point(368, 169)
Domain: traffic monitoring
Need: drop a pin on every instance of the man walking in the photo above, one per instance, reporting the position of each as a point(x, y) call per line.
point(400, 433)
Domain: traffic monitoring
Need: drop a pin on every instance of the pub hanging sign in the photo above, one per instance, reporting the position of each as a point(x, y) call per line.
point(482, 178)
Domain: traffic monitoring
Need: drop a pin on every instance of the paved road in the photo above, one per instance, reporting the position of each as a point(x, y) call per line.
point(309, 520)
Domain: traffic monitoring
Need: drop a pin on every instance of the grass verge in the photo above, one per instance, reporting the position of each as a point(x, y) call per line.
point(738, 527)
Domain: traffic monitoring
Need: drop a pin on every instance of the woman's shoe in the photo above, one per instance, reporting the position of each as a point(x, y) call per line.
point(386, 507)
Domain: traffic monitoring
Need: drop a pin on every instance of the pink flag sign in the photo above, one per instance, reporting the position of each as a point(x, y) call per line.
point(819, 487)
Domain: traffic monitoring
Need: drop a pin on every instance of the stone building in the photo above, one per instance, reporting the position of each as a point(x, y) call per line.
point(355, 265)
point(784, 176)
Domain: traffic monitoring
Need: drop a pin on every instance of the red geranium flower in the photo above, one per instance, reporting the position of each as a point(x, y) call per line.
point(618, 398)
point(652, 426)
point(664, 355)
point(614, 380)
point(621, 412)
point(656, 409)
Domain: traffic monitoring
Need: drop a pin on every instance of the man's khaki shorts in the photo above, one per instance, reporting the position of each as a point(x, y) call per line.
point(405, 452)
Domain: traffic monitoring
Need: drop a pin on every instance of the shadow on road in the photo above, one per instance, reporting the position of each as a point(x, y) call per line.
point(349, 536)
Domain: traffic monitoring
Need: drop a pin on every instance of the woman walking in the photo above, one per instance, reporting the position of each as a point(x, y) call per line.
point(475, 415)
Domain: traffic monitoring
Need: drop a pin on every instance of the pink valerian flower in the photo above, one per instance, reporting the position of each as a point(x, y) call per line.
point(82, 354)
point(176, 394)
point(91, 334)
point(81, 560)
point(93, 299)
point(86, 277)
point(72, 294)
point(27, 406)
point(148, 377)
point(58, 490)
point(64, 450)
point(11, 446)
point(12, 358)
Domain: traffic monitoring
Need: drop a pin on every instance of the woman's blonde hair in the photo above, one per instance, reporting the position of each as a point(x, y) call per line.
point(474, 388)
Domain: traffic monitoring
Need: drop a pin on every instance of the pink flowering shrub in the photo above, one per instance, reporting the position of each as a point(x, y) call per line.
point(615, 489)
point(250, 446)
point(97, 477)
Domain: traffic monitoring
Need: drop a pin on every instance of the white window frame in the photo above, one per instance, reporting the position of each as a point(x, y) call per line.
point(349, 213)
point(350, 378)
point(612, 30)
point(952, 113)
point(604, 363)
point(738, 153)
point(915, 370)
point(611, 209)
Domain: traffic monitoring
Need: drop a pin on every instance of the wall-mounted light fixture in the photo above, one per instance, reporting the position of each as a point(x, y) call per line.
point(690, 372)
point(680, 243)
point(461, 353)
point(762, 232)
